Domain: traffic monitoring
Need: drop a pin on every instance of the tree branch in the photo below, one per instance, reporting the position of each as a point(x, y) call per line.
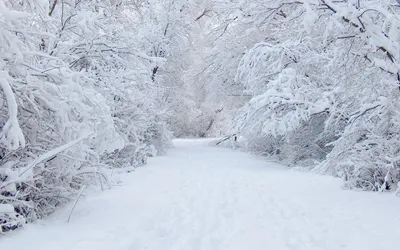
point(202, 14)
point(53, 6)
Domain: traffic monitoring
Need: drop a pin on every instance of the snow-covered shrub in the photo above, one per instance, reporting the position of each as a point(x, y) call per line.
point(57, 108)
point(288, 111)
point(9, 219)
point(366, 154)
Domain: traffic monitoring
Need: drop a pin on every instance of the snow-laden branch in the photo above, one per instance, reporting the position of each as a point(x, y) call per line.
point(53, 152)
point(11, 134)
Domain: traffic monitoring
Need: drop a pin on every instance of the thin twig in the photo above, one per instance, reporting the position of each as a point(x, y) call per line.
point(76, 201)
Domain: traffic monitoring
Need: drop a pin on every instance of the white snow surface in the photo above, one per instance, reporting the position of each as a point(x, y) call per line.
point(199, 197)
point(6, 208)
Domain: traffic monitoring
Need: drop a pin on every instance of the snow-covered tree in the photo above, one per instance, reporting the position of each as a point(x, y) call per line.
point(324, 84)
point(79, 97)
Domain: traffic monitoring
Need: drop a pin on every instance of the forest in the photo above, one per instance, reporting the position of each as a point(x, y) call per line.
point(93, 88)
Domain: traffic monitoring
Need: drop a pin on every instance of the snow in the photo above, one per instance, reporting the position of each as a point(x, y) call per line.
point(11, 134)
point(202, 197)
point(6, 208)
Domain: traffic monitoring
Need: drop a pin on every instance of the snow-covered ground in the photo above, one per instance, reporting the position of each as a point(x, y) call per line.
point(205, 198)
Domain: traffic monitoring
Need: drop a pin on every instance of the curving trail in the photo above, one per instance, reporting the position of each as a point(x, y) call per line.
point(204, 198)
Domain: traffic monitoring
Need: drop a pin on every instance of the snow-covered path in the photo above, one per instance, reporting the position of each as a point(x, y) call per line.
point(205, 198)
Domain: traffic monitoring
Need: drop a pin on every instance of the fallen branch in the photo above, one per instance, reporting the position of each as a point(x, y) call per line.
point(225, 139)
